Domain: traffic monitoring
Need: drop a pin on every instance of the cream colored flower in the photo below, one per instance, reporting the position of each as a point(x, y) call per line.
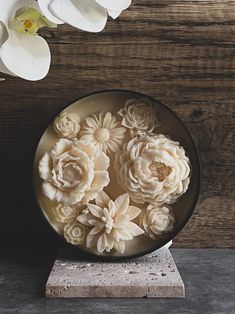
point(66, 213)
point(73, 171)
point(75, 233)
point(67, 124)
point(110, 222)
point(139, 115)
point(103, 130)
point(157, 220)
point(153, 169)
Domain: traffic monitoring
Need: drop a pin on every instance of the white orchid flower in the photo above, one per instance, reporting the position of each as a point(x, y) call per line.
point(22, 52)
point(87, 15)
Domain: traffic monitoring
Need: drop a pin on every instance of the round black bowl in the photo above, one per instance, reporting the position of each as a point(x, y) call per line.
point(172, 126)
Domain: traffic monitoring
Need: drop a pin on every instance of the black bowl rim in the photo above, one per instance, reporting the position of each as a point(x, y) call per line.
point(172, 235)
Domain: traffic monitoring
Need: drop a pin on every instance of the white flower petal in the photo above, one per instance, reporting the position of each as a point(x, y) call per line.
point(83, 14)
point(91, 241)
point(101, 243)
point(83, 219)
point(114, 14)
point(44, 167)
point(102, 199)
point(3, 38)
point(122, 203)
point(133, 212)
point(115, 5)
point(101, 161)
point(119, 246)
point(27, 56)
point(95, 210)
point(134, 229)
point(4, 69)
point(43, 4)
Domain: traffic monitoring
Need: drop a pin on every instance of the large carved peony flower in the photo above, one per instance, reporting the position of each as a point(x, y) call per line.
point(73, 171)
point(139, 115)
point(103, 130)
point(67, 124)
point(75, 233)
point(153, 169)
point(157, 220)
point(111, 223)
point(65, 213)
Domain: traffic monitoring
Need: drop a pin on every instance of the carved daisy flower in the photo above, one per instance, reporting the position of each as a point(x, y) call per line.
point(103, 130)
point(157, 220)
point(111, 223)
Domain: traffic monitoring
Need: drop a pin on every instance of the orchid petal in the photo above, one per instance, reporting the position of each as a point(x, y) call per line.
point(83, 14)
point(26, 56)
point(4, 69)
point(114, 5)
point(43, 4)
point(114, 14)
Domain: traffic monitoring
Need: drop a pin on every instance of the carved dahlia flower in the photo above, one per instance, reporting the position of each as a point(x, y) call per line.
point(110, 222)
point(66, 213)
point(67, 124)
point(75, 233)
point(103, 130)
point(139, 115)
point(153, 169)
point(73, 171)
point(156, 221)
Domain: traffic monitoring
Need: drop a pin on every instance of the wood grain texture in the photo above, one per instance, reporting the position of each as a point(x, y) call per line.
point(182, 53)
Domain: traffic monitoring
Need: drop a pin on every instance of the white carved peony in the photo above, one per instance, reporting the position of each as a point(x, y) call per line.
point(157, 220)
point(103, 130)
point(65, 213)
point(111, 223)
point(67, 124)
point(153, 169)
point(75, 233)
point(139, 115)
point(73, 171)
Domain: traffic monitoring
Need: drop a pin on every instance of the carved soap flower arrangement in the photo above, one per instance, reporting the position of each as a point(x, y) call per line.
point(152, 170)
point(23, 52)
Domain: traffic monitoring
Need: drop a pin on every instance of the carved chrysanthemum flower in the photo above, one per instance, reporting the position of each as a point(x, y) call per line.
point(111, 223)
point(157, 220)
point(65, 213)
point(139, 115)
point(103, 130)
point(153, 169)
point(74, 171)
point(67, 124)
point(75, 233)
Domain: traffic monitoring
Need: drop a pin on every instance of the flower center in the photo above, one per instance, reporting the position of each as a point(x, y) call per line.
point(29, 21)
point(102, 135)
point(159, 170)
point(108, 223)
point(71, 174)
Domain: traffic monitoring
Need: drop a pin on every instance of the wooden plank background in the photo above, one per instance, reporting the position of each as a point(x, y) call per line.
point(182, 53)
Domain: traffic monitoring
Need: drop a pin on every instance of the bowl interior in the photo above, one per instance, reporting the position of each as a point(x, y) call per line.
point(170, 126)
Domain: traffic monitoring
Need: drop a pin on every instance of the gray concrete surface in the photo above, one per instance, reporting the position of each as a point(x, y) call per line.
point(209, 277)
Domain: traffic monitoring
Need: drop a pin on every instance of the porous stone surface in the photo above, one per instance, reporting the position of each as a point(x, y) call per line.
point(152, 276)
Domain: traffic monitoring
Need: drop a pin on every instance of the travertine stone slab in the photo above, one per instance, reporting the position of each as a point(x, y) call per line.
point(153, 276)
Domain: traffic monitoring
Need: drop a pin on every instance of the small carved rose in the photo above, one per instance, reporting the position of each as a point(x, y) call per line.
point(67, 124)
